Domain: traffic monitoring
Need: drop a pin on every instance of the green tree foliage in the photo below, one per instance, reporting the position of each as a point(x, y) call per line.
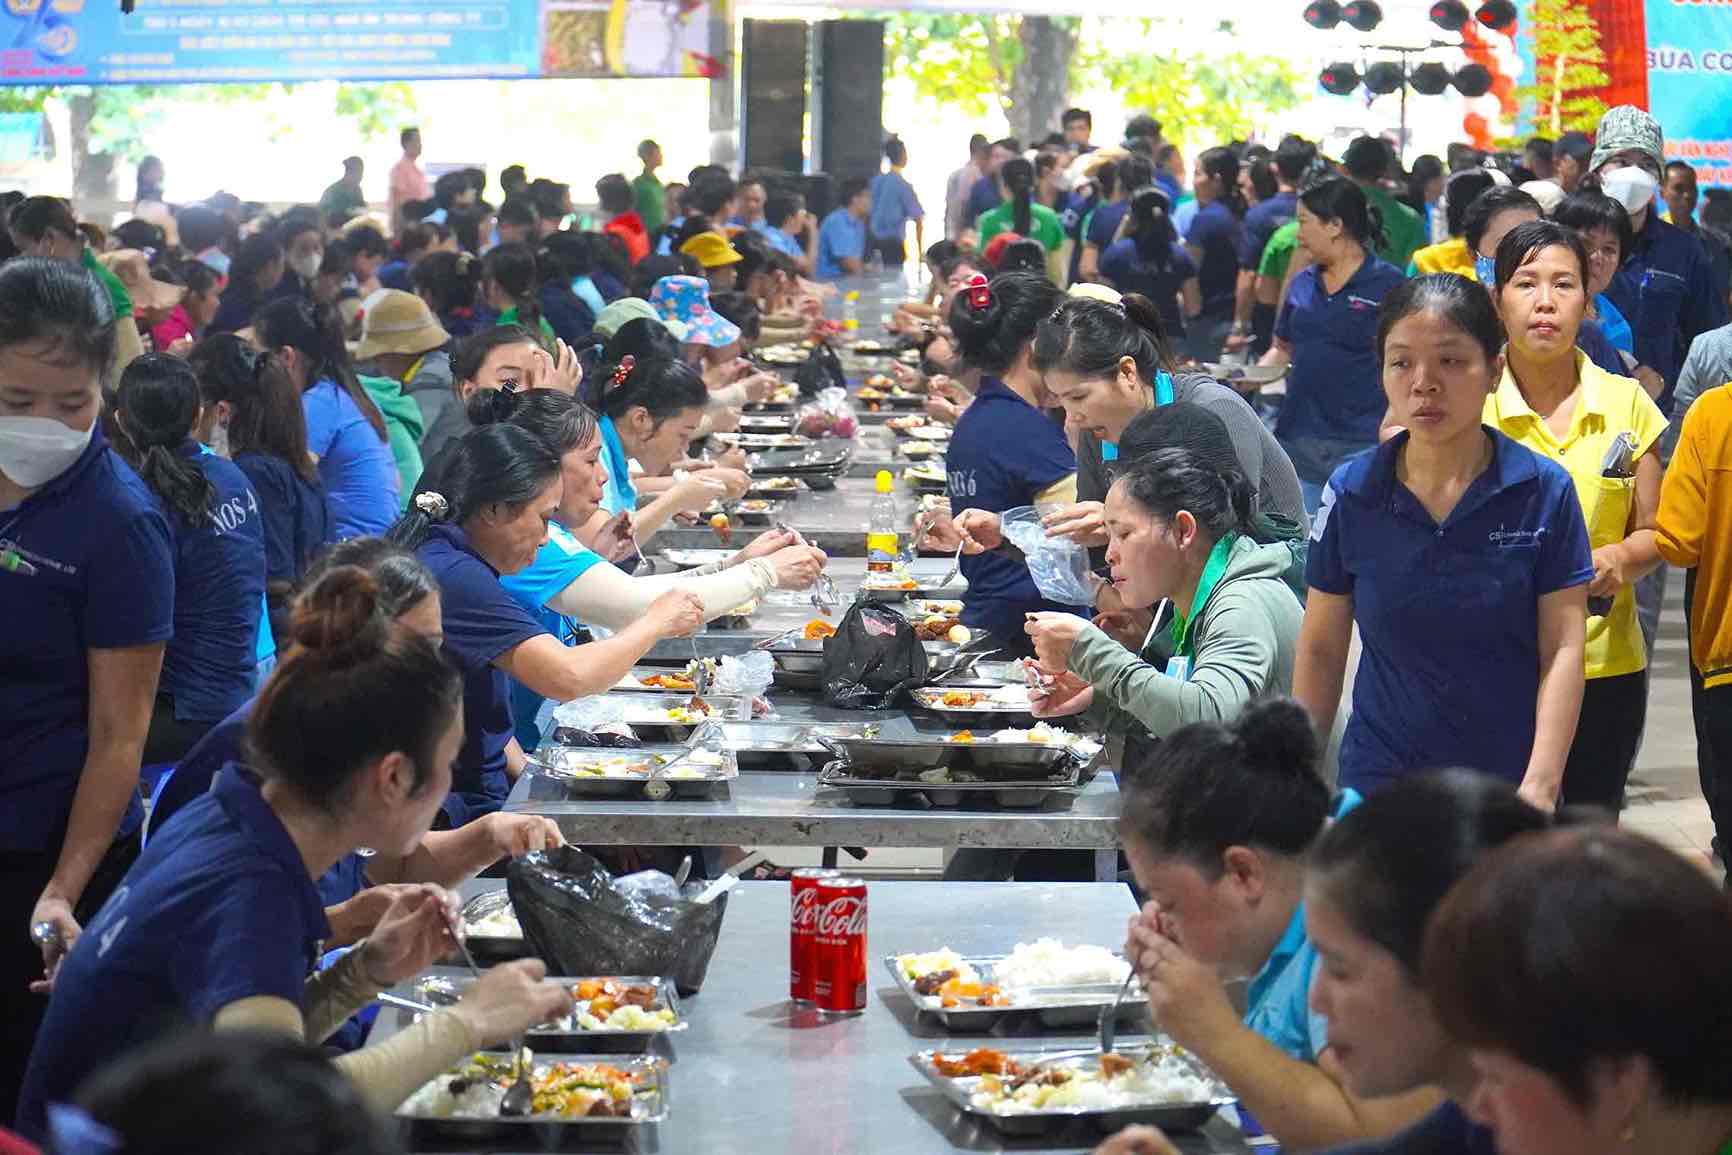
point(969, 63)
point(1569, 68)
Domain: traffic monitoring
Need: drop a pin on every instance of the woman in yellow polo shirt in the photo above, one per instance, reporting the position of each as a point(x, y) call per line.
point(1556, 402)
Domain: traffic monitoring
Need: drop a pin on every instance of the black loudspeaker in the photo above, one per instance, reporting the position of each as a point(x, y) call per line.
point(848, 90)
point(773, 86)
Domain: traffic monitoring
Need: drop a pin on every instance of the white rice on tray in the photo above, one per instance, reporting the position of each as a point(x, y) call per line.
point(1165, 1079)
point(1048, 962)
point(479, 1100)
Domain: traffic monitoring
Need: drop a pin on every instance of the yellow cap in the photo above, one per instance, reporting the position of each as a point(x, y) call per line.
point(884, 483)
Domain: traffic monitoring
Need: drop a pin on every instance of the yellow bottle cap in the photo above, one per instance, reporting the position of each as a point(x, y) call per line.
point(884, 483)
point(851, 295)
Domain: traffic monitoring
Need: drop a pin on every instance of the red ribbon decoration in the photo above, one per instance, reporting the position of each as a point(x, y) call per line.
point(979, 292)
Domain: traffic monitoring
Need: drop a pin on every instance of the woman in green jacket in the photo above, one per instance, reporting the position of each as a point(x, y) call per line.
point(1179, 524)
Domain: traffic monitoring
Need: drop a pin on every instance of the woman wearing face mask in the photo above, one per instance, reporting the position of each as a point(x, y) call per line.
point(254, 272)
point(1324, 333)
point(252, 416)
point(569, 586)
point(484, 513)
point(649, 412)
point(1106, 364)
point(345, 430)
point(45, 227)
point(1463, 559)
point(1594, 918)
point(303, 243)
point(1217, 822)
point(87, 579)
point(1179, 531)
point(1565, 408)
point(218, 923)
point(995, 326)
point(210, 665)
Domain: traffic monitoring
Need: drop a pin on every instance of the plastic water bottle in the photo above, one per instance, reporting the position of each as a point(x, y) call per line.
point(881, 536)
point(851, 310)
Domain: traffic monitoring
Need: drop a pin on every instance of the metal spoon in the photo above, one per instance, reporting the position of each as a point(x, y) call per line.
point(519, 1098)
point(955, 566)
point(1110, 1014)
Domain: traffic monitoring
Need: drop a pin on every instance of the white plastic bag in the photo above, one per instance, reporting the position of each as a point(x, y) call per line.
point(1059, 566)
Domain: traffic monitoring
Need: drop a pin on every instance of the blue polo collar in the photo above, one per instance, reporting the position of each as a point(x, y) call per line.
point(238, 793)
point(618, 467)
point(1511, 465)
point(454, 536)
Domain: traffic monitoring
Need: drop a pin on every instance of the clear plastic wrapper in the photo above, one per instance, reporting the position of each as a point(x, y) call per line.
point(829, 414)
point(1060, 567)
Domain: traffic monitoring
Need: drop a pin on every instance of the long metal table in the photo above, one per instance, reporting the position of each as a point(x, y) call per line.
point(757, 1074)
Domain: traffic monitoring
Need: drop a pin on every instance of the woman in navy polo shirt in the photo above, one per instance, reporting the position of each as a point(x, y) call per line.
point(1325, 334)
point(568, 583)
point(497, 489)
point(1218, 821)
point(1213, 242)
point(87, 579)
point(252, 416)
point(211, 664)
point(1006, 452)
point(345, 430)
point(1149, 260)
point(1462, 557)
point(219, 922)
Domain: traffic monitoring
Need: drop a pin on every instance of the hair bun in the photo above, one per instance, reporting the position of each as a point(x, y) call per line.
point(338, 617)
point(1278, 738)
point(490, 407)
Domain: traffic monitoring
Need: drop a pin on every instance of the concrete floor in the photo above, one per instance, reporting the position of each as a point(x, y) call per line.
point(1664, 799)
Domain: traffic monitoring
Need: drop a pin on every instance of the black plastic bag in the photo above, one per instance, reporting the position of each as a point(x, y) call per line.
point(873, 657)
point(822, 370)
point(578, 923)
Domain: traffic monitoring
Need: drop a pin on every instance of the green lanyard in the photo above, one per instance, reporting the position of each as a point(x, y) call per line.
point(1212, 571)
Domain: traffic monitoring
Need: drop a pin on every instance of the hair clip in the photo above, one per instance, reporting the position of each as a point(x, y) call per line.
point(623, 369)
point(979, 292)
point(433, 505)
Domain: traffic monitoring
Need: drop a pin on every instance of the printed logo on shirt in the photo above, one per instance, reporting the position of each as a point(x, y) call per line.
point(7, 545)
point(1516, 538)
point(1361, 303)
point(1325, 506)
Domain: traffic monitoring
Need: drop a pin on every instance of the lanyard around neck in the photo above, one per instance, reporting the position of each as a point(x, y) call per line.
point(1213, 569)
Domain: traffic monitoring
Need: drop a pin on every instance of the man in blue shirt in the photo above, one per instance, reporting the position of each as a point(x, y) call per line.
point(842, 236)
point(1254, 323)
point(784, 222)
point(1449, 614)
point(1078, 125)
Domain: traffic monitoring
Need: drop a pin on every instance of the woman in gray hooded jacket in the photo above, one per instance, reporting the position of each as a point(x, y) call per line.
point(1180, 539)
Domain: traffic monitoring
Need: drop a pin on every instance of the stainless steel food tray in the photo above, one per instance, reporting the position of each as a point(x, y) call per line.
point(443, 988)
point(1172, 1117)
point(877, 788)
point(669, 775)
point(649, 1106)
point(1075, 1005)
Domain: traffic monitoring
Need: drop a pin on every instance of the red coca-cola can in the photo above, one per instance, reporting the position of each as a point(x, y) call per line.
point(839, 946)
point(802, 930)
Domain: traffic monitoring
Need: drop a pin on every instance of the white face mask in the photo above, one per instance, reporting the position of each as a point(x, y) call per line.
point(36, 450)
point(1630, 186)
point(306, 266)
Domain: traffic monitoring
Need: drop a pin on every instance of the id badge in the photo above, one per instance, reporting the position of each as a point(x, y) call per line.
point(1179, 667)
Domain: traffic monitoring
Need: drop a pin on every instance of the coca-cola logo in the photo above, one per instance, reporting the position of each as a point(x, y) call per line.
point(839, 916)
point(805, 915)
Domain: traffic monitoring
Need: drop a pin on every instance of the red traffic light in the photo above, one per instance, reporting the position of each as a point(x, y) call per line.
point(1473, 80)
point(1324, 14)
point(1497, 15)
point(1449, 15)
point(1339, 79)
point(1363, 14)
point(1429, 79)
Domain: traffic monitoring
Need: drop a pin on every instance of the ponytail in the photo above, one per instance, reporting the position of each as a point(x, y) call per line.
point(661, 386)
point(1018, 176)
point(1221, 164)
point(158, 401)
point(353, 687)
point(1152, 229)
point(1089, 338)
point(1169, 480)
point(513, 268)
point(1209, 787)
point(994, 321)
point(316, 333)
point(493, 465)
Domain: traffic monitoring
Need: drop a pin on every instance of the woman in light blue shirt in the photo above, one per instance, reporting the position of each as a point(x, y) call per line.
point(894, 204)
